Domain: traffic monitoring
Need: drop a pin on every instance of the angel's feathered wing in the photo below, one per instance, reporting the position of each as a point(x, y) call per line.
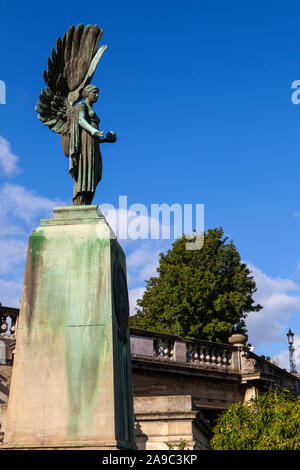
point(70, 69)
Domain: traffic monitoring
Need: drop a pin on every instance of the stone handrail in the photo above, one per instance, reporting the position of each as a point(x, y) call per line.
point(199, 353)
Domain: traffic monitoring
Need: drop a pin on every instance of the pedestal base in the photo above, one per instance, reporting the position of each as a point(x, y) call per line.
point(71, 381)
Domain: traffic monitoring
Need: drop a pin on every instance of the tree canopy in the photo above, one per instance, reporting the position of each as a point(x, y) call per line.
point(203, 294)
point(271, 421)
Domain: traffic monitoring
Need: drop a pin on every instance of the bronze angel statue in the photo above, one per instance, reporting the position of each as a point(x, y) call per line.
point(60, 107)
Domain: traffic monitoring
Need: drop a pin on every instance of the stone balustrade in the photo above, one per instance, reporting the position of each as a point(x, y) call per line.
point(8, 322)
point(198, 353)
point(213, 356)
point(8, 330)
point(163, 348)
point(234, 358)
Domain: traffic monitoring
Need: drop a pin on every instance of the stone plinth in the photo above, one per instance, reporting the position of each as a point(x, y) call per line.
point(71, 382)
point(165, 421)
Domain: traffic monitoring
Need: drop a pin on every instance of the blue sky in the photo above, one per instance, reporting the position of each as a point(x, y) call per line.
point(199, 93)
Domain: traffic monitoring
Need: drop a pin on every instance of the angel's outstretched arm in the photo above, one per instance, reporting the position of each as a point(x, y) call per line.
point(83, 123)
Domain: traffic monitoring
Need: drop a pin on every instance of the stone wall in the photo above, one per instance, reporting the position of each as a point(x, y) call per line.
point(163, 422)
point(5, 377)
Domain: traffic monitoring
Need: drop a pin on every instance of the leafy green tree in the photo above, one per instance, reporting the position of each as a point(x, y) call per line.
point(204, 293)
point(271, 421)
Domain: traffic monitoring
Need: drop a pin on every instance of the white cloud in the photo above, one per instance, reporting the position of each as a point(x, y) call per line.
point(280, 299)
point(134, 295)
point(271, 284)
point(12, 254)
point(24, 204)
point(20, 209)
point(8, 160)
point(11, 292)
point(9, 229)
point(130, 225)
point(143, 261)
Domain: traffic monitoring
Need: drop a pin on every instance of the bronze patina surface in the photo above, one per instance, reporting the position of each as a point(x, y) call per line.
point(60, 107)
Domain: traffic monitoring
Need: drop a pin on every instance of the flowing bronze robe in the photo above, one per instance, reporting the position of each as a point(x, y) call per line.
point(85, 161)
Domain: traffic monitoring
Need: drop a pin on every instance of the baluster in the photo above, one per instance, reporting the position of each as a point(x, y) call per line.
point(13, 327)
point(213, 358)
point(229, 358)
point(156, 348)
point(189, 353)
point(207, 358)
point(161, 348)
point(192, 346)
point(201, 355)
point(4, 326)
point(172, 351)
point(195, 355)
point(224, 359)
point(219, 359)
point(165, 349)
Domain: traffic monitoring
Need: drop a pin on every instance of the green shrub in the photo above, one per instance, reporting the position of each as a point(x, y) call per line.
point(271, 421)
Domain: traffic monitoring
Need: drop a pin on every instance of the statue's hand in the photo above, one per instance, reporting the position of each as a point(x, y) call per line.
point(98, 134)
point(110, 136)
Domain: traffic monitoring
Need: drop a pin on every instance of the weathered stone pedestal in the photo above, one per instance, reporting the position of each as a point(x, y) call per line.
point(71, 383)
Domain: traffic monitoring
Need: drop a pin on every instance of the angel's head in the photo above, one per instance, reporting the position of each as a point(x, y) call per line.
point(90, 93)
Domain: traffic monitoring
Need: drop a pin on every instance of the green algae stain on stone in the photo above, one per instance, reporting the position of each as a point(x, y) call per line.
point(34, 266)
point(47, 275)
point(71, 275)
point(37, 241)
point(87, 334)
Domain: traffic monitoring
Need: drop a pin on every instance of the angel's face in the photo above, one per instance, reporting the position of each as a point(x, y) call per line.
point(93, 95)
